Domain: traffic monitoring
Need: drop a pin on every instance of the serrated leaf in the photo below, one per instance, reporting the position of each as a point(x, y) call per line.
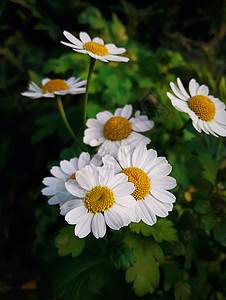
point(162, 230)
point(145, 272)
point(68, 243)
point(219, 233)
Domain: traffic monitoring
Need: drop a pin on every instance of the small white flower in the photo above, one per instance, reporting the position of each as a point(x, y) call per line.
point(66, 172)
point(95, 48)
point(110, 131)
point(206, 112)
point(53, 87)
point(106, 201)
point(149, 174)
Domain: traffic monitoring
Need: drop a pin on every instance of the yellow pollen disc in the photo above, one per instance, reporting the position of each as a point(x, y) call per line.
point(117, 128)
point(72, 176)
point(96, 48)
point(141, 181)
point(203, 107)
point(55, 85)
point(99, 199)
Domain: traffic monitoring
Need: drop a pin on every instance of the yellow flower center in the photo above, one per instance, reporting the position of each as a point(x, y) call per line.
point(96, 48)
point(72, 176)
point(117, 128)
point(55, 85)
point(203, 107)
point(99, 199)
point(140, 180)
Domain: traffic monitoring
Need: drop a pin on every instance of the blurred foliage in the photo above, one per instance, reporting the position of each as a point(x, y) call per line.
point(181, 257)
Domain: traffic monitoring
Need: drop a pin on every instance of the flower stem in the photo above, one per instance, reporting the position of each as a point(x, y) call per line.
point(175, 135)
point(63, 115)
point(91, 66)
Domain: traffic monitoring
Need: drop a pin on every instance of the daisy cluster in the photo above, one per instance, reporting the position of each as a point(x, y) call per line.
point(124, 181)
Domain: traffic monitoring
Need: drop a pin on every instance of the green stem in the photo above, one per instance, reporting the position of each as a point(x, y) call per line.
point(175, 135)
point(91, 66)
point(63, 115)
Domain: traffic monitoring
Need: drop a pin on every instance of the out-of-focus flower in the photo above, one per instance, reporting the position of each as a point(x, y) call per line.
point(51, 88)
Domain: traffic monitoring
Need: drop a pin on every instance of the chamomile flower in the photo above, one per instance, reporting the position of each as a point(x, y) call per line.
point(110, 131)
point(149, 174)
point(61, 174)
point(51, 88)
point(106, 201)
point(95, 48)
point(206, 112)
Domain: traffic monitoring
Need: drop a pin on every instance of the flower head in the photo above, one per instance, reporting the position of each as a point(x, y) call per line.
point(95, 48)
point(50, 88)
point(64, 173)
point(206, 112)
point(110, 131)
point(106, 201)
point(149, 174)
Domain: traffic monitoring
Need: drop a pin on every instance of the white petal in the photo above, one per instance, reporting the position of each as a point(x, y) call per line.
point(177, 92)
point(85, 38)
point(166, 183)
point(126, 201)
point(87, 177)
point(104, 116)
point(126, 111)
point(98, 40)
point(57, 172)
point(163, 195)
point(124, 156)
point(105, 176)
point(117, 180)
point(137, 139)
point(193, 86)
point(44, 81)
point(139, 156)
point(217, 128)
point(160, 170)
point(32, 95)
point(147, 214)
point(83, 160)
point(159, 208)
point(220, 117)
point(98, 226)
point(67, 167)
point(69, 205)
point(203, 90)
point(76, 214)
point(116, 217)
point(84, 227)
point(124, 189)
point(53, 200)
point(112, 49)
point(72, 38)
point(111, 163)
point(141, 124)
point(181, 87)
point(117, 58)
point(75, 189)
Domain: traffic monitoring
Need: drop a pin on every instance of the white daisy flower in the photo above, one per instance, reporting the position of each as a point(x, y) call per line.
point(53, 87)
point(106, 201)
point(95, 48)
point(66, 172)
point(149, 174)
point(110, 131)
point(206, 112)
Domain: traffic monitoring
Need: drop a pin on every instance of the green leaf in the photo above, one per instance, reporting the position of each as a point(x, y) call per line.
point(202, 206)
point(208, 221)
point(219, 233)
point(145, 272)
point(162, 230)
point(68, 243)
point(121, 255)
